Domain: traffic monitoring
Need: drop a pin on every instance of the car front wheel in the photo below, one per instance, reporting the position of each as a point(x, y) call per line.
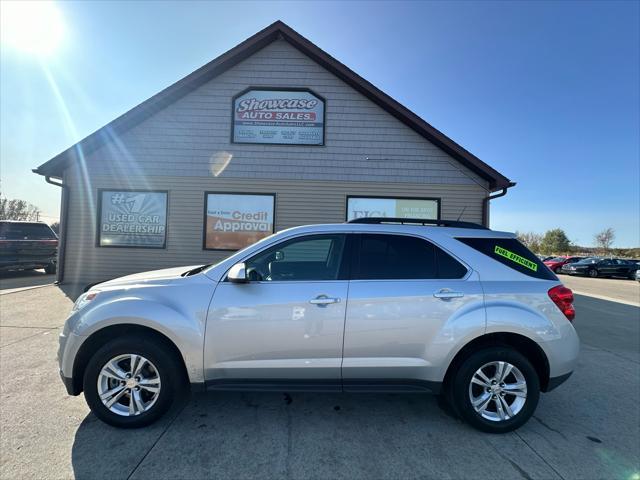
point(593, 273)
point(131, 382)
point(496, 390)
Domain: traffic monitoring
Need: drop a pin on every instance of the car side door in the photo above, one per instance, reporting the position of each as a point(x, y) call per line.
point(405, 298)
point(606, 267)
point(285, 326)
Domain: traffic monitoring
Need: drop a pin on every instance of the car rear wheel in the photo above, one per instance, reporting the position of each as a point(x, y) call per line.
point(51, 268)
point(131, 382)
point(593, 273)
point(496, 390)
point(558, 270)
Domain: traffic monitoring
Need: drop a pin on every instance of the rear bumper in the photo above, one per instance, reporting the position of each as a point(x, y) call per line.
point(557, 381)
point(26, 264)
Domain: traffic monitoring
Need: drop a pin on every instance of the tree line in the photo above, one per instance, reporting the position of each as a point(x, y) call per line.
point(556, 242)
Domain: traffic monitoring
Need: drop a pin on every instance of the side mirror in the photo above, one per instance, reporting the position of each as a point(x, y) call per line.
point(238, 273)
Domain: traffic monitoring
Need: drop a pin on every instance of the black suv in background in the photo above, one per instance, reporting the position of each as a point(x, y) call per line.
point(27, 245)
point(602, 267)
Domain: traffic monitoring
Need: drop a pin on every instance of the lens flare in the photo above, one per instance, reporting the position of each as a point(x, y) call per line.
point(34, 27)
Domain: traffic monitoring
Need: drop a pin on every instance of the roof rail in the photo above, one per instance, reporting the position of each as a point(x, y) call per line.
point(418, 221)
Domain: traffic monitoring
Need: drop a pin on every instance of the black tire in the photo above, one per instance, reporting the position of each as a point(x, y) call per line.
point(51, 268)
point(558, 271)
point(461, 380)
point(593, 273)
point(168, 369)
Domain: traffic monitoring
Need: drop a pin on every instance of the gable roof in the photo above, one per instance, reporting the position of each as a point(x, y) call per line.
point(275, 31)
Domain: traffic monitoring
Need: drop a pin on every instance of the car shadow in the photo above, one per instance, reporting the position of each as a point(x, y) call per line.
point(264, 435)
point(25, 278)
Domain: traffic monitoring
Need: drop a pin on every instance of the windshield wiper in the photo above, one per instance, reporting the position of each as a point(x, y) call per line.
point(196, 270)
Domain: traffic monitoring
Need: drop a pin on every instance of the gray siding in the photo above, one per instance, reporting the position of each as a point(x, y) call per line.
point(362, 141)
point(297, 203)
point(186, 150)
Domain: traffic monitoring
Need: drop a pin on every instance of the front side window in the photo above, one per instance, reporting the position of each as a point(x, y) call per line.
point(310, 258)
point(399, 257)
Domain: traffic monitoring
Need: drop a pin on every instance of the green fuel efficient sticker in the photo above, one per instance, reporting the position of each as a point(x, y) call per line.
point(514, 257)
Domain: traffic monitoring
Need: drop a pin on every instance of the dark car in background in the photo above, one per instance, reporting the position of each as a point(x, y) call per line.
point(27, 246)
point(602, 267)
point(555, 264)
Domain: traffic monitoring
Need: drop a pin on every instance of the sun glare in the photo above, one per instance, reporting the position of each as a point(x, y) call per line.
point(33, 27)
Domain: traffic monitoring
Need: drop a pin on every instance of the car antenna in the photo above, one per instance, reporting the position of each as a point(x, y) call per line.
point(460, 216)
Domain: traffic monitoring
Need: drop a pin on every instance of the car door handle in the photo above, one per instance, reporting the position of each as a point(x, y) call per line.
point(447, 294)
point(322, 300)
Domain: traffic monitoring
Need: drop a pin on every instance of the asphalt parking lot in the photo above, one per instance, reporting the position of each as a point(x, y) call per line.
point(588, 428)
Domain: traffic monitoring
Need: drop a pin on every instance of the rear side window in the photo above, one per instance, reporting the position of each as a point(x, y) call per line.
point(513, 254)
point(399, 257)
point(25, 231)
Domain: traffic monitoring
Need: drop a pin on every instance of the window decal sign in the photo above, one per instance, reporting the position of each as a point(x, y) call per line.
point(132, 219)
point(514, 257)
point(290, 117)
point(233, 221)
point(359, 207)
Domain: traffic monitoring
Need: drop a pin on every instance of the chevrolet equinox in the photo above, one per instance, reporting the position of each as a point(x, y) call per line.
point(371, 305)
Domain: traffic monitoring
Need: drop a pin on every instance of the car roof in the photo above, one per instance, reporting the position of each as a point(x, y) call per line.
point(23, 222)
point(420, 230)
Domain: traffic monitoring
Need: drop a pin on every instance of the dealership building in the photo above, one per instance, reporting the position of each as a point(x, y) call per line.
point(272, 134)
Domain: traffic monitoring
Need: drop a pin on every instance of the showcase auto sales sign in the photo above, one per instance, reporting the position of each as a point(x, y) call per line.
point(292, 117)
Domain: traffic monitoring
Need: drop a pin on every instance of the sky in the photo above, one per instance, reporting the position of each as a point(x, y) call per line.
point(547, 93)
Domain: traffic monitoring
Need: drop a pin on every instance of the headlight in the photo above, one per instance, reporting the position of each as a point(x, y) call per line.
point(84, 300)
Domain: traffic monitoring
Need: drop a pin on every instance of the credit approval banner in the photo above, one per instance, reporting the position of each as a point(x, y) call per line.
point(291, 117)
point(234, 221)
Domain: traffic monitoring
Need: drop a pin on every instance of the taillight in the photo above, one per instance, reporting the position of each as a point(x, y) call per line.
point(563, 298)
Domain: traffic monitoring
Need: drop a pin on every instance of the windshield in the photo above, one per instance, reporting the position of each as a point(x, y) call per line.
point(26, 231)
point(264, 240)
point(557, 259)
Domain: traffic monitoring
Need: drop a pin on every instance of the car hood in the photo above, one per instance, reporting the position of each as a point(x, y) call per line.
point(164, 276)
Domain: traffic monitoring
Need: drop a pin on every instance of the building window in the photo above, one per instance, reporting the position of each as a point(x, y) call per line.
point(234, 220)
point(394, 207)
point(128, 218)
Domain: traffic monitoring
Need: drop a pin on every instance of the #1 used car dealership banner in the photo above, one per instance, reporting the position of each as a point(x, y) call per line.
point(292, 117)
point(236, 220)
point(358, 207)
point(132, 219)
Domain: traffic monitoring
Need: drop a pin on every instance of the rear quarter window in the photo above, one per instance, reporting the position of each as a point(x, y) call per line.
point(513, 254)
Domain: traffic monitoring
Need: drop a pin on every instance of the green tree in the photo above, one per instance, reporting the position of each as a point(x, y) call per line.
point(555, 242)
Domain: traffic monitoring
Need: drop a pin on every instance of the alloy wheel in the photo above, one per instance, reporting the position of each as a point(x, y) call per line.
point(498, 391)
point(129, 384)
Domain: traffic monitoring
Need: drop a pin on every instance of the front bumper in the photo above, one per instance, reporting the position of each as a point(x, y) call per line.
point(68, 346)
point(69, 385)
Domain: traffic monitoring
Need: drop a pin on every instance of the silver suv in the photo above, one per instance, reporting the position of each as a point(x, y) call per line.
point(373, 305)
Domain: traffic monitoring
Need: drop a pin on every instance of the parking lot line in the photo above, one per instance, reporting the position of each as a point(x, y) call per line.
point(609, 299)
